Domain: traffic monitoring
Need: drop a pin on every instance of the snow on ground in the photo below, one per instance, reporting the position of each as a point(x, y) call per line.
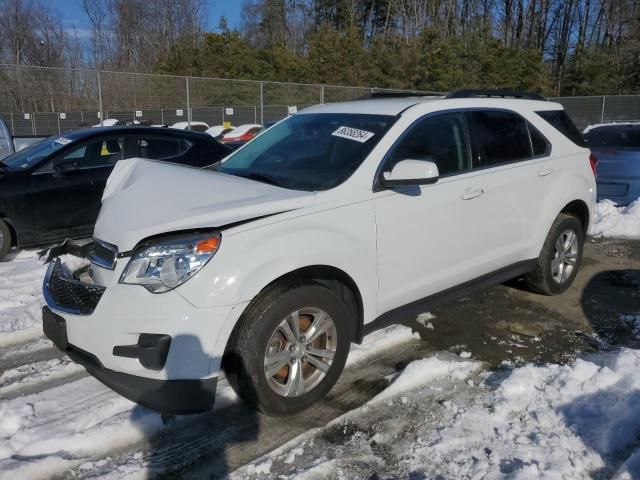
point(64, 427)
point(21, 298)
point(534, 422)
point(616, 222)
point(33, 373)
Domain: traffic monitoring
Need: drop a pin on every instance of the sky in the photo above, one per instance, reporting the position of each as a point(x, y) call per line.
point(73, 14)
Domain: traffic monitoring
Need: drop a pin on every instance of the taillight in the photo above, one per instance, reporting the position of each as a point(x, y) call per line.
point(593, 161)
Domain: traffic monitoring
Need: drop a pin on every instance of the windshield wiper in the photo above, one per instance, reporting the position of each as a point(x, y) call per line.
point(259, 177)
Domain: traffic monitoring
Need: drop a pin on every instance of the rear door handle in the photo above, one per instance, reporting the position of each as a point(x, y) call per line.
point(469, 194)
point(545, 171)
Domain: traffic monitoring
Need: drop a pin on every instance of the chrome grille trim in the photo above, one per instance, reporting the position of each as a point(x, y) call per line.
point(103, 254)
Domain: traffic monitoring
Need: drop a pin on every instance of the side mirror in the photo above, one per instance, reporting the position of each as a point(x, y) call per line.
point(410, 172)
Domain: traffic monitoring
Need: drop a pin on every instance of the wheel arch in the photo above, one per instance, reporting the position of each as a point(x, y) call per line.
point(338, 281)
point(579, 209)
point(333, 278)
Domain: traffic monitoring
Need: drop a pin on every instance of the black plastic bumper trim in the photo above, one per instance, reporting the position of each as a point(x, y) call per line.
point(175, 397)
point(151, 350)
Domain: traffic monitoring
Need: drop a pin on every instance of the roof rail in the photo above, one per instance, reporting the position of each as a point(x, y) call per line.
point(398, 94)
point(501, 93)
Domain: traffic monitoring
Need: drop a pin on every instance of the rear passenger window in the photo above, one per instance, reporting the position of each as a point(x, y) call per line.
point(540, 144)
point(441, 139)
point(158, 148)
point(502, 137)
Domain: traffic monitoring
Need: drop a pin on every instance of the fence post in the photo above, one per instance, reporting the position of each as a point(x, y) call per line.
point(261, 103)
point(604, 97)
point(188, 104)
point(321, 94)
point(100, 98)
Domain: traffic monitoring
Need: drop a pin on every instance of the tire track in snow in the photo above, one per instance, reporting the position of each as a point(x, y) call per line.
point(233, 434)
point(60, 431)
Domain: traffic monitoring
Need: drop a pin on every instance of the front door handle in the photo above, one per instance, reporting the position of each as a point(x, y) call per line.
point(545, 171)
point(469, 194)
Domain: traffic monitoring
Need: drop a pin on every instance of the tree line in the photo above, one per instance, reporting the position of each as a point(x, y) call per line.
point(557, 47)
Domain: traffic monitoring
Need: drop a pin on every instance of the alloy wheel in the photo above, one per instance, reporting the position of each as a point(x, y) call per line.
point(565, 256)
point(300, 352)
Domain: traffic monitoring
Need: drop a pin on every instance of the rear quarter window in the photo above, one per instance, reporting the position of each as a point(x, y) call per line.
point(539, 143)
point(561, 122)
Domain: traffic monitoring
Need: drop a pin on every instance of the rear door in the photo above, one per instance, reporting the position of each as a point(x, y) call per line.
point(66, 192)
point(516, 180)
point(167, 148)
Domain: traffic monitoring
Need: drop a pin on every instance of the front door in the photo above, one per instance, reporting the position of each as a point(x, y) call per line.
point(431, 237)
point(66, 193)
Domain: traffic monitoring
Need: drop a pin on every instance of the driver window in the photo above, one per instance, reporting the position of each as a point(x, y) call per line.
point(441, 139)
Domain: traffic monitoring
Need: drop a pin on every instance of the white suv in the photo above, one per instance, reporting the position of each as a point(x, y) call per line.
point(337, 221)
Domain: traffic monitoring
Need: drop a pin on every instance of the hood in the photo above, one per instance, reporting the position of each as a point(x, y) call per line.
point(145, 198)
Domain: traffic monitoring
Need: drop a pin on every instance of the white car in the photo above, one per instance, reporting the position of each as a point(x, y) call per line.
point(243, 133)
point(107, 122)
point(218, 131)
point(341, 219)
point(193, 126)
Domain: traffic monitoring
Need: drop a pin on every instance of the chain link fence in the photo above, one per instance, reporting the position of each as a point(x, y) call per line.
point(585, 111)
point(41, 101)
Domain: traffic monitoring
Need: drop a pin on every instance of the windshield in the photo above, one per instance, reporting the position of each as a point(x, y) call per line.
point(309, 151)
point(623, 136)
point(31, 155)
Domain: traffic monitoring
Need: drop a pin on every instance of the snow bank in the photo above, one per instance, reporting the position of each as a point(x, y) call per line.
point(21, 298)
point(535, 422)
point(616, 222)
point(424, 371)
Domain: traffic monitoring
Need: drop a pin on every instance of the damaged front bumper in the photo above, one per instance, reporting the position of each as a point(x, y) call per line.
point(134, 346)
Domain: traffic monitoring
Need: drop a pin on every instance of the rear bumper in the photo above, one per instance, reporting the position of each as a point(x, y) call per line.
point(621, 191)
point(177, 397)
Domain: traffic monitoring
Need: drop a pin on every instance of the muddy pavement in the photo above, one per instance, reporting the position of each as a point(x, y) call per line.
point(507, 323)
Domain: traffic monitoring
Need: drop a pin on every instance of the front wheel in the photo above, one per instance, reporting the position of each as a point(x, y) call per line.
point(560, 257)
point(289, 348)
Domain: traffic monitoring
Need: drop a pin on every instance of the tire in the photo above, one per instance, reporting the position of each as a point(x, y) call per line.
point(261, 328)
point(560, 257)
point(5, 239)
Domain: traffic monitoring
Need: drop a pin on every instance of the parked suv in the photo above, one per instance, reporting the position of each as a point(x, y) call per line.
point(339, 220)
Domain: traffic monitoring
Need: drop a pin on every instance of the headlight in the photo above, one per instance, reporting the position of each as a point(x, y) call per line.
point(165, 264)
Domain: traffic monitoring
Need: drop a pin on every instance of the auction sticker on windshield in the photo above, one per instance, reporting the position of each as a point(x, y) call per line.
point(353, 134)
point(62, 140)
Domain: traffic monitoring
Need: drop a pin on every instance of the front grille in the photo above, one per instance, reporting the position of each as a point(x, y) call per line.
point(103, 254)
point(72, 295)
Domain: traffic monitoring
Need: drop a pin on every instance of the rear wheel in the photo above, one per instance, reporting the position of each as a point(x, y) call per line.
point(5, 239)
point(560, 257)
point(289, 348)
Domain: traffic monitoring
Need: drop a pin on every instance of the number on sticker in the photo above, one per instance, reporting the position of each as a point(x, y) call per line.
point(353, 134)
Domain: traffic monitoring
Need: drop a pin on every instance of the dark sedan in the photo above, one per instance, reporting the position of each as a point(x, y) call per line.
point(52, 190)
point(617, 147)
